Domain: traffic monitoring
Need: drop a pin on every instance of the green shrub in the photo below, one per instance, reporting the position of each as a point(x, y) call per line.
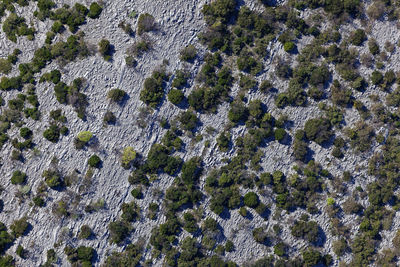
point(38, 201)
point(373, 46)
point(289, 47)
point(85, 232)
point(85, 136)
point(280, 134)
point(18, 177)
point(238, 112)
point(188, 53)
point(52, 178)
point(376, 77)
point(119, 230)
point(25, 132)
point(128, 155)
point(19, 227)
point(251, 200)
point(358, 37)
point(260, 235)
point(52, 133)
point(153, 89)
point(94, 161)
point(130, 61)
point(308, 230)
point(146, 23)
point(94, 10)
point(116, 95)
point(5, 66)
point(109, 117)
point(318, 130)
point(105, 49)
point(137, 193)
point(188, 120)
point(175, 96)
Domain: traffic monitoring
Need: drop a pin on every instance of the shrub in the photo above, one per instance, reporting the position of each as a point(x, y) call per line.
point(376, 77)
point(38, 201)
point(128, 155)
point(188, 53)
point(116, 95)
point(52, 133)
point(105, 49)
point(289, 47)
point(109, 117)
point(175, 96)
point(188, 120)
point(280, 134)
point(94, 161)
point(5, 66)
point(85, 136)
point(146, 23)
point(85, 232)
point(251, 200)
point(25, 132)
point(19, 227)
point(57, 27)
point(130, 61)
point(318, 130)
point(308, 230)
point(18, 177)
point(153, 89)
point(137, 193)
point(260, 235)
point(94, 10)
point(52, 178)
point(358, 37)
point(238, 112)
point(119, 230)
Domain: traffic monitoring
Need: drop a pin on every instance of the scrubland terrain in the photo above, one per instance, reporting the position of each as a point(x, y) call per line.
point(199, 133)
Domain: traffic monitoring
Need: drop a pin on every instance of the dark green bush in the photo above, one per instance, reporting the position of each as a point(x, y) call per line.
point(85, 232)
point(308, 230)
point(280, 134)
point(52, 133)
point(188, 120)
point(18, 177)
point(251, 200)
point(175, 96)
point(119, 230)
point(94, 10)
point(358, 37)
point(94, 161)
point(153, 89)
point(238, 112)
point(376, 77)
point(25, 132)
point(318, 130)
